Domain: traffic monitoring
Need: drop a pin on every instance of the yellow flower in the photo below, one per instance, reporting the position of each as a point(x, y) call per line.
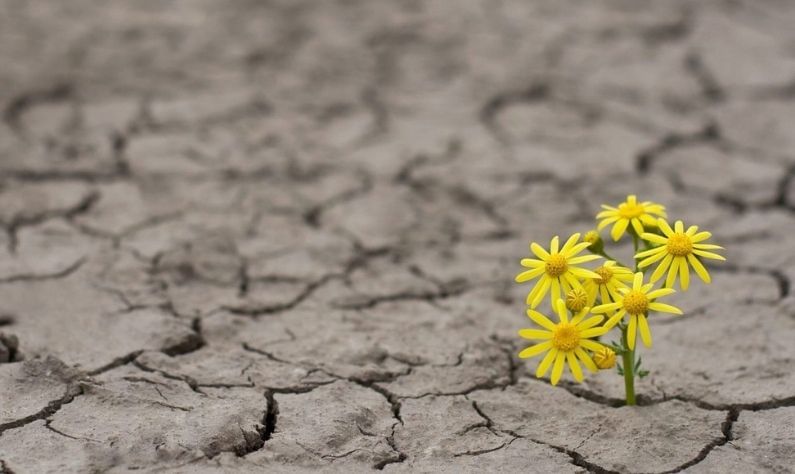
point(678, 249)
point(605, 359)
point(563, 342)
point(556, 268)
point(576, 300)
point(593, 238)
point(630, 212)
point(637, 302)
point(611, 278)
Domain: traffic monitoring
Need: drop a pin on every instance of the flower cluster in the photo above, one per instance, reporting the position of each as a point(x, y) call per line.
point(589, 302)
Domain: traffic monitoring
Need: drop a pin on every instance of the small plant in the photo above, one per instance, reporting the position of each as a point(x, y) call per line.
point(626, 297)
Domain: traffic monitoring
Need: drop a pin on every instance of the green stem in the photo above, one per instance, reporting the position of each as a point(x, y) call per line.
point(629, 368)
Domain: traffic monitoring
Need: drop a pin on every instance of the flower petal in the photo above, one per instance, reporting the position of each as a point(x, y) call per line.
point(702, 253)
point(541, 320)
point(664, 227)
point(619, 229)
point(535, 350)
point(672, 272)
point(539, 251)
point(659, 293)
point(632, 331)
point(650, 252)
point(557, 369)
point(645, 333)
point(664, 308)
point(554, 245)
point(660, 271)
point(574, 366)
point(586, 360)
point(570, 243)
point(593, 332)
point(699, 268)
point(528, 275)
point(684, 273)
point(583, 259)
point(542, 291)
point(590, 322)
point(535, 334)
point(654, 258)
point(605, 308)
point(543, 367)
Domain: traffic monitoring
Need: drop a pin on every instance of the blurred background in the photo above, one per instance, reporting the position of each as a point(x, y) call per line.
point(288, 197)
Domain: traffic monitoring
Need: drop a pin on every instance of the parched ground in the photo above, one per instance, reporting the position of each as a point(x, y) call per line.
point(281, 235)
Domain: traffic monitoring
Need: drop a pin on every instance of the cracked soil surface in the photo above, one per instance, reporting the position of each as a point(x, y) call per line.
point(281, 235)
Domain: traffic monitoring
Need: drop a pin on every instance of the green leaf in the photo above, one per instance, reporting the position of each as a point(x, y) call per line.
point(643, 373)
point(619, 369)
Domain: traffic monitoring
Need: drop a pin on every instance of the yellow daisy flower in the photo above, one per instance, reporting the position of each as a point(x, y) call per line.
point(637, 301)
point(556, 268)
point(605, 359)
point(611, 278)
point(563, 342)
point(677, 249)
point(631, 212)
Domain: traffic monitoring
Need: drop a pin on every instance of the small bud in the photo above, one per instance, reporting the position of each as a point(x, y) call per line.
point(576, 300)
point(593, 238)
point(605, 358)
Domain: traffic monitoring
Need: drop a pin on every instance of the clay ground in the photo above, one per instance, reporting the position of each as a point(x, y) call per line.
point(279, 236)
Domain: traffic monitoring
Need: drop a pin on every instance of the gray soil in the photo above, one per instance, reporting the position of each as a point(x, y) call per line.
point(249, 236)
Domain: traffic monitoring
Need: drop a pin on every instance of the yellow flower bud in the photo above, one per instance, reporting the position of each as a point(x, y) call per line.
point(576, 300)
point(605, 358)
point(593, 238)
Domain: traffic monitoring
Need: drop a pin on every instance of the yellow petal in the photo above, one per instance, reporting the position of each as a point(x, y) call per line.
point(605, 308)
point(637, 226)
point(570, 243)
point(560, 307)
point(590, 322)
point(619, 229)
point(684, 273)
point(660, 255)
point(679, 227)
point(586, 359)
point(593, 332)
point(574, 366)
point(659, 293)
point(663, 225)
point(699, 268)
point(664, 308)
point(535, 334)
point(539, 296)
point(557, 369)
point(583, 259)
point(615, 318)
point(539, 251)
point(650, 252)
point(672, 272)
point(543, 367)
point(535, 350)
point(660, 271)
point(541, 320)
point(637, 281)
point(532, 263)
point(645, 333)
point(529, 274)
point(631, 331)
point(702, 253)
point(553, 245)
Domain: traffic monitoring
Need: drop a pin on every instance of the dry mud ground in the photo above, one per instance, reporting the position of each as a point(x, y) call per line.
point(253, 236)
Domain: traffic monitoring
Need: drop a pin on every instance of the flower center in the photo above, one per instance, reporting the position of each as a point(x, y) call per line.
point(605, 274)
point(556, 265)
point(628, 211)
point(679, 245)
point(566, 337)
point(635, 302)
point(576, 300)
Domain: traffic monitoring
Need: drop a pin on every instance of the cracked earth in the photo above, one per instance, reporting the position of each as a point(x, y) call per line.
point(282, 234)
